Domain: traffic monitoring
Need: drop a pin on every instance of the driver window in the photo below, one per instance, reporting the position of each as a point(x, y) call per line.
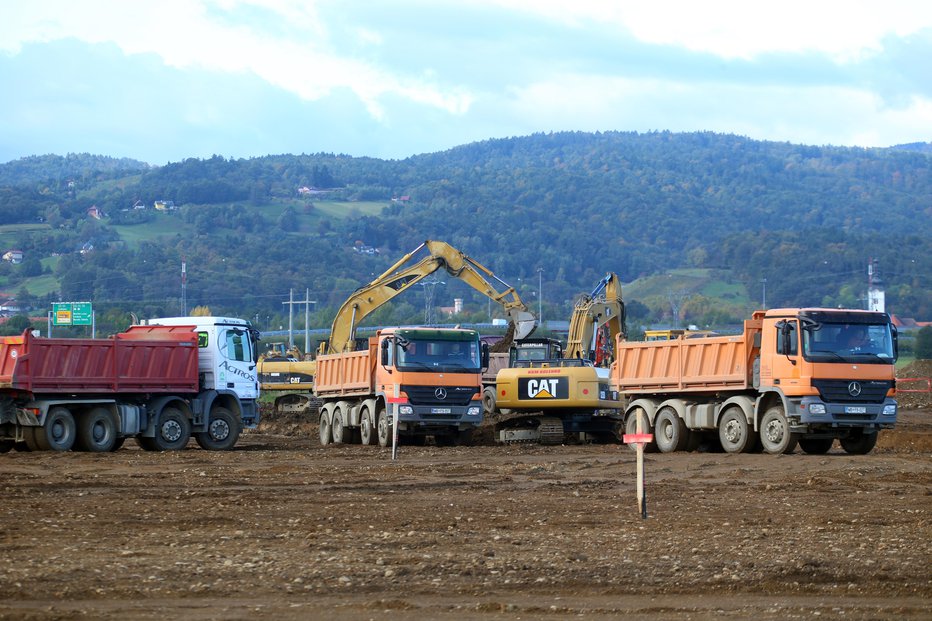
point(235, 346)
point(791, 326)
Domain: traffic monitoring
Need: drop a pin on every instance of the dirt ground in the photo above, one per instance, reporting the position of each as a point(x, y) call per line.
point(282, 528)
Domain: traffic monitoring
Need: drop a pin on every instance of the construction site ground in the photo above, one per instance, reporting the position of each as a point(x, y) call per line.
point(283, 528)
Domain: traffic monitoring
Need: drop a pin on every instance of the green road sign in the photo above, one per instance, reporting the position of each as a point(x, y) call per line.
point(81, 314)
point(71, 314)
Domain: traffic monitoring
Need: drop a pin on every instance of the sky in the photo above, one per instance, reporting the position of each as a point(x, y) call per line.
point(164, 80)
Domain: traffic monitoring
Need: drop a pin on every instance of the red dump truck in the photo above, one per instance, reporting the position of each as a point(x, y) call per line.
point(160, 383)
point(430, 377)
point(804, 376)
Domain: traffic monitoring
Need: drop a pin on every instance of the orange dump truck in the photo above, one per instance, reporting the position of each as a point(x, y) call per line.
point(430, 377)
point(803, 376)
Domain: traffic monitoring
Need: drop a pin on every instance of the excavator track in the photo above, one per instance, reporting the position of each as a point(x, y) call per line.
point(531, 430)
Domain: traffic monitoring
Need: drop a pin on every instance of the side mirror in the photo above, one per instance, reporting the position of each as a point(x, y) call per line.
point(484, 352)
point(896, 346)
point(386, 344)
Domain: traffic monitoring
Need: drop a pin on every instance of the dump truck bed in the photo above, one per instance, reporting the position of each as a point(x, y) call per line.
point(684, 365)
point(151, 359)
point(347, 374)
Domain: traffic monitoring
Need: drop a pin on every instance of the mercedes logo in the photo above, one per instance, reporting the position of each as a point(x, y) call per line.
point(854, 389)
point(441, 393)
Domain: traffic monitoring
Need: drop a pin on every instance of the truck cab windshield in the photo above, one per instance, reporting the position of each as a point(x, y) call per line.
point(438, 356)
point(862, 343)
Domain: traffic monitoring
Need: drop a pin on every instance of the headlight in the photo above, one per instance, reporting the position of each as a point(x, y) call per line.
point(473, 411)
point(405, 409)
point(889, 410)
point(817, 408)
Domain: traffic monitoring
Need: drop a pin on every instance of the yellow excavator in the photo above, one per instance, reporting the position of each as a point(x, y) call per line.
point(547, 393)
point(297, 376)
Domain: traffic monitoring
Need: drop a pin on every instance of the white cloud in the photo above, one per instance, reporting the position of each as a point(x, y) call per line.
point(842, 29)
point(281, 41)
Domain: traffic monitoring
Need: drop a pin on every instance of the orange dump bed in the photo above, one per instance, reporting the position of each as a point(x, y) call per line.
point(684, 365)
point(347, 374)
point(152, 359)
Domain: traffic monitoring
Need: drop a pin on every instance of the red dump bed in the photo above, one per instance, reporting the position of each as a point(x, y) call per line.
point(144, 359)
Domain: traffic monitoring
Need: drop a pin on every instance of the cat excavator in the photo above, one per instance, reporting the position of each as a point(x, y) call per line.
point(548, 393)
point(296, 376)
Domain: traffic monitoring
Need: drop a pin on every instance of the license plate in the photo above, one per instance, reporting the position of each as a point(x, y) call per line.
point(855, 409)
point(440, 410)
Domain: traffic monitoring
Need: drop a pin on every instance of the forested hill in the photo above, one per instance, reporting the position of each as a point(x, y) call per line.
point(576, 205)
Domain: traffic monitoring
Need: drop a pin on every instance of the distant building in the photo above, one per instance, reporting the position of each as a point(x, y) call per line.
point(13, 256)
point(165, 205)
point(139, 205)
point(86, 248)
point(94, 212)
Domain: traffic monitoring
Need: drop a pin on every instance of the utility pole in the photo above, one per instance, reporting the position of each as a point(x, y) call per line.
point(184, 288)
point(291, 302)
point(540, 295)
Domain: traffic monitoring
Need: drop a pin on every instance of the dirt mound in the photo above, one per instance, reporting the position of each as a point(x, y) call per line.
point(921, 369)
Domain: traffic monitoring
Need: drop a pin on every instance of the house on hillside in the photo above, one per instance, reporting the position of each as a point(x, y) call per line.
point(908, 323)
point(86, 248)
point(13, 256)
point(165, 205)
point(94, 212)
point(139, 204)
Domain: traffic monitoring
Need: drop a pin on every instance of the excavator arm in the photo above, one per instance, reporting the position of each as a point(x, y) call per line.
point(602, 307)
point(401, 276)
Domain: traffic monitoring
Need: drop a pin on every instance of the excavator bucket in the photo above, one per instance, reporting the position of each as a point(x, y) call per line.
point(525, 323)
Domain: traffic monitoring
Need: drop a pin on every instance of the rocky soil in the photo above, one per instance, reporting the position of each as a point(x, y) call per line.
point(282, 528)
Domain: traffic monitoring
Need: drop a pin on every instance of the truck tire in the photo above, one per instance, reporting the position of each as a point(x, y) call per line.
point(6, 446)
point(631, 425)
point(734, 433)
point(488, 401)
point(337, 429)
point(670, 432)
point(323, 427)
point(58, 433)
point(97, 431)
point(172, 430)
point(367, 435)
point(859, 443)
point(816, 446)
point(775, 435)
point(222, 433)
point(383, 428)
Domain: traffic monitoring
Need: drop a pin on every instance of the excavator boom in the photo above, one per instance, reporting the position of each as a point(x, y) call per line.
point(401, 276)
point(602, 307)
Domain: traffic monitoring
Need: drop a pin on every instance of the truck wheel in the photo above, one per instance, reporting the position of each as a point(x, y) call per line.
point(367, 433)
point(383, 428)
point(775, 433)
point(6, 446)
point(631, 426)
point(816, 446)
point(734, 432)
point(118, 444)
point(172, 430)
point(336, 427)
point(222, 431)
point(488, 401)
point(670, 431)
point(323, 428)
point(58, 433)
point(97, 431)
point(859, 443)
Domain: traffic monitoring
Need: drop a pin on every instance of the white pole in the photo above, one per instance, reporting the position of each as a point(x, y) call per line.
point(395, 432)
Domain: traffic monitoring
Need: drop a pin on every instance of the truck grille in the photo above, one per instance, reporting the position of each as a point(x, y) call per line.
point(840, 391)
point(427, 395)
